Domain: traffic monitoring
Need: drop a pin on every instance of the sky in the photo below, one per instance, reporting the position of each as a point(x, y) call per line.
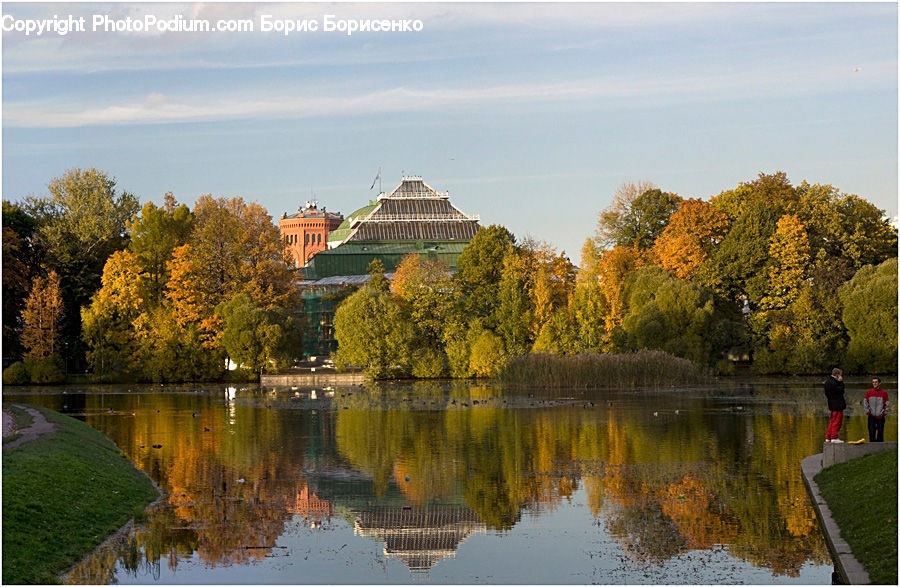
point(530, 115)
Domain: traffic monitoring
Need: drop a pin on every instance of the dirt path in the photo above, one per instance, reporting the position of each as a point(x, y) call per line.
point(39, 426)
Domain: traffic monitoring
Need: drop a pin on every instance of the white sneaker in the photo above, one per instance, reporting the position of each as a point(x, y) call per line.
point(838, 440)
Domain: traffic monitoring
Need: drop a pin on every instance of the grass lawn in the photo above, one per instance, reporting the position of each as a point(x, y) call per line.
point(862, 497)
point(63, 494)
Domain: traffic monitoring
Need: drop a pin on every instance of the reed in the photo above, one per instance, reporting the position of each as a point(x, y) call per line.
point(644, 368)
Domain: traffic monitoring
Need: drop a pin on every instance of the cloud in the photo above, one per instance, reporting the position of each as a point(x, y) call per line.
point(610, 90)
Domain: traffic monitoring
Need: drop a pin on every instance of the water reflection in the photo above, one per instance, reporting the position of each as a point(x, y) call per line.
point(419, 469)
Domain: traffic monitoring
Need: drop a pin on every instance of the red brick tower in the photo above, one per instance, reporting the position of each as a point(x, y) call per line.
point(306, 232)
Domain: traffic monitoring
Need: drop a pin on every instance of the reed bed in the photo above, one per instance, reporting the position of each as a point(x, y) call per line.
point(644, 368)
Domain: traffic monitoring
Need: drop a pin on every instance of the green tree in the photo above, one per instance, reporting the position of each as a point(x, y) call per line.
point(611, 223)
point(738, 270)
point(20, 258)
point(870, 315)
point(589, 306)
point(81, 223)
point(676, 316)
point(425, 288)
point(479, 270)
point(373, 333)
point(377, 279)
point(154, 235)
point(250, 336)
point(514, 313)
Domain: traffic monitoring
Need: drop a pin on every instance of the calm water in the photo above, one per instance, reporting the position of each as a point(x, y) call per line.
point(441, 483)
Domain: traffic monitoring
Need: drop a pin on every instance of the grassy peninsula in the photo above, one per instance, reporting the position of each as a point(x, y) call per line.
point(64, 493)
point(862, 497)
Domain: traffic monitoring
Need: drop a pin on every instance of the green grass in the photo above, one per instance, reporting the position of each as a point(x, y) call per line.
point(63, 494)
point(643, 368)
point(862, 497)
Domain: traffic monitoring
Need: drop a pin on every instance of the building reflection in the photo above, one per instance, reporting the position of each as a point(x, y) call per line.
point(419, 538)
point(315, 511)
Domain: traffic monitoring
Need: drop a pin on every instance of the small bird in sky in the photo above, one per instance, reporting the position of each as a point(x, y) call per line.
point(856, 69)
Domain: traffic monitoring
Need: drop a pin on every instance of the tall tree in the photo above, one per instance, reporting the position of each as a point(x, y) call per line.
point(611, 221)
point(81, 223)
point(42, 317)
point(425, 288)
point(789, 254)
point(479, 270)
point(20, 260)
point(250, 336)
point(154, 235)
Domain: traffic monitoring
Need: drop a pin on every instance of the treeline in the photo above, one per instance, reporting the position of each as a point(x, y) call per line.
point(92, 281)
point(797, 279)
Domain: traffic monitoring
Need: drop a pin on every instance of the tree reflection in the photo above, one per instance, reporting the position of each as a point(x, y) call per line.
point(660, 485)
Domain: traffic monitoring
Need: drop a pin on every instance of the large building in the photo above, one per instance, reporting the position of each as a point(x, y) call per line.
point(413, 218)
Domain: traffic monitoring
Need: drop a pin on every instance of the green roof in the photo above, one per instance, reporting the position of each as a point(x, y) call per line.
point(344, 230)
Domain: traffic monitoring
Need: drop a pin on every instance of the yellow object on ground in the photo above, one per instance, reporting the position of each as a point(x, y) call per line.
point(860, 441)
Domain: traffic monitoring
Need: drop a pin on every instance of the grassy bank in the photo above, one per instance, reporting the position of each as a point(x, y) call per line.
point(590, 370)
point(862, 497)
point(63, 494)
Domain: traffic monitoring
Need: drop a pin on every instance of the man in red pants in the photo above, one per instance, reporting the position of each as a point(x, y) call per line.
point(834, 393)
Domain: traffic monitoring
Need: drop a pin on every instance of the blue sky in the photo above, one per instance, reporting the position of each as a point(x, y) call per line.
point(531, 115)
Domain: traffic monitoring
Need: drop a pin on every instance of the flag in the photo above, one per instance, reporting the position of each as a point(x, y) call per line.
point(377, 177)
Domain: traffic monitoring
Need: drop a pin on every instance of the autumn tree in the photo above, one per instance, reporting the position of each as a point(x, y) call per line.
point(692, 234)
point(789, 255)
point(613, 268)
point(42, 317)
point(110, 320)
point(426, 290)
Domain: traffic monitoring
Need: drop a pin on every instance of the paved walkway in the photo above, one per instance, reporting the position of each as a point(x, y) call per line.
point(39, 426)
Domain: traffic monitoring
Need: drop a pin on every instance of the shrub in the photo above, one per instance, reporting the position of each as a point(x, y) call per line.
point(488, 354)
point(15, 374)
point(49, 370)
point(428, 363)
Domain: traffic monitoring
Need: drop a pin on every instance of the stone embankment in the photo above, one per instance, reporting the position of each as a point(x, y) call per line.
point(846, 565)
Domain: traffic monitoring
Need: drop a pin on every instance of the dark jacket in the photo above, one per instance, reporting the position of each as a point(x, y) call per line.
point(834, 391)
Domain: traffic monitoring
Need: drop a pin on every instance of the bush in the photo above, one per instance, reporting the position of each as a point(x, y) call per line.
point(49, 370)
point(15, 374)
point(429, 363)
point(488, 354)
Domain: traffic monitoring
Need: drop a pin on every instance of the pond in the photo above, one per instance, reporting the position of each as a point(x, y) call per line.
point(461, 483)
